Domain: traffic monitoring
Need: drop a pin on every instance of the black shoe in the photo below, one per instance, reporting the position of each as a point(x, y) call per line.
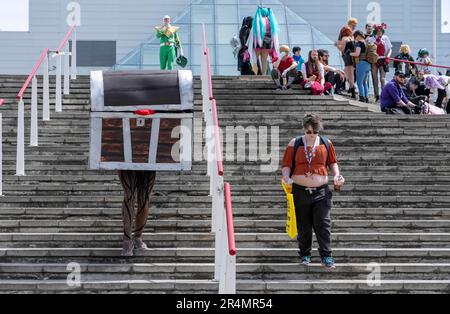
point(377, 98)
point(362, 99)
point(353, 92)
point(367, 100)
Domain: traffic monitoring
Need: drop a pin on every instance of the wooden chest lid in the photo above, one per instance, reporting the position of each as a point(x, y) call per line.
point(135, 90)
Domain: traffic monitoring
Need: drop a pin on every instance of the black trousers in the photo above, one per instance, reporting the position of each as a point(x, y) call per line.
point(312, 211)
point(441, 95)
point(336, 81)
point(278, 79)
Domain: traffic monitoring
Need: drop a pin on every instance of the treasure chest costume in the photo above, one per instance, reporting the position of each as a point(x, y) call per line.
point(141, 122)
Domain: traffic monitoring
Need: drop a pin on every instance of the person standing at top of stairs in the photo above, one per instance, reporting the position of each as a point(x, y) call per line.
point(169, 41)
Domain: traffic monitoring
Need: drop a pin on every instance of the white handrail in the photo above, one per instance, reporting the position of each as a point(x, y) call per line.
point(44, 60)
point(225, 251)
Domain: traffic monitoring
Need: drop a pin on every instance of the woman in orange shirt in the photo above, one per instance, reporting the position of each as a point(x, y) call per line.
point(307, 172)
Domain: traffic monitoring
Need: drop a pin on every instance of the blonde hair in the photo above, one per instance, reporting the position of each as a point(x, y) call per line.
point(405, 49)
point(352, 20)
point(285, 48)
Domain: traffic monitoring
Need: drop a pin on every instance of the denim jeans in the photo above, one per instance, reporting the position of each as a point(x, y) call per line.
point(362, 77)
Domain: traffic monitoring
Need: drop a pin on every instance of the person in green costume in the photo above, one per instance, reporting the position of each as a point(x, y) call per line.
point(169, 41)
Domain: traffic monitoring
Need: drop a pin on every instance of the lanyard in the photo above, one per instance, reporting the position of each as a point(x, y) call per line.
point(310, 154)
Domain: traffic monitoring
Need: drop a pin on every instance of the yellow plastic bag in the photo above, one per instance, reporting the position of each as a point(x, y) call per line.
point(291, 221)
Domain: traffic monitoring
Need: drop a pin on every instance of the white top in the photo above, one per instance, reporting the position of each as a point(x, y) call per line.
point(424, 68)
point(385, 39)
point(321, 70)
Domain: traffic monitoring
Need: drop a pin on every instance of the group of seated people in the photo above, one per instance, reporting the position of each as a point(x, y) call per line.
point(424, 94)
point(367, 57)
point(314, 74)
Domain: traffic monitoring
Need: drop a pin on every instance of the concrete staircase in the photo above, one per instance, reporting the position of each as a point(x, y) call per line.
point(393, 211)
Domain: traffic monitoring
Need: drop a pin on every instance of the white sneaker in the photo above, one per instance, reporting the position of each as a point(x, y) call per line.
point(127, 249)
point(139, 244)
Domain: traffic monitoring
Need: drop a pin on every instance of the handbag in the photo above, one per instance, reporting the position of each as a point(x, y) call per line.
point(181, 60)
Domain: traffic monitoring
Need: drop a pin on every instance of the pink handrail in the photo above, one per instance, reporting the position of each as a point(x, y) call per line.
point(217, 138)
point(32, 74)
point(208, 65)
point(230, 224)
point(418, 63)
point(227, 187)
point(66, 39)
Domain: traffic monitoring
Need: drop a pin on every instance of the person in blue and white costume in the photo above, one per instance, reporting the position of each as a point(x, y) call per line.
point(263, 39)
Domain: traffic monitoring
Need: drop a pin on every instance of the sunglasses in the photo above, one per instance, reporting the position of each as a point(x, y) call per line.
point(311, 132)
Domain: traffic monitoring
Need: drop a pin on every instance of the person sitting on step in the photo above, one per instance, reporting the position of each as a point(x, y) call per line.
point(393, 98)
point(304, 170)
point(313, 73)
point(333, 76)
point(439, 87)
point(284, 70)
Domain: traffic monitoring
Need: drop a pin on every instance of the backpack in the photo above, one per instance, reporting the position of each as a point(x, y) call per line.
point(299, 141)
point(371, 53)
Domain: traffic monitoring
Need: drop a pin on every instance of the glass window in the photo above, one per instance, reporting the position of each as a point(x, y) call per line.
point(283, 36)
point(278, 11)
point(150, 54)
point(184, 32)
point(253, 2)
point(293, 18)
point(202, 13)
point(225, 55)
point(246, 10)
point(226, 14)
point(227, 70)
point(223, 19)
point(319, 38)
point(197, 52)
point(197, 34)
point(184, 17)
point(133, 57)
point(225, 32)
point(300, 34)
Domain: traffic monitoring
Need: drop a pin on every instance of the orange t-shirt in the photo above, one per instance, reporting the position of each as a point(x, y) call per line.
point(318, 165)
